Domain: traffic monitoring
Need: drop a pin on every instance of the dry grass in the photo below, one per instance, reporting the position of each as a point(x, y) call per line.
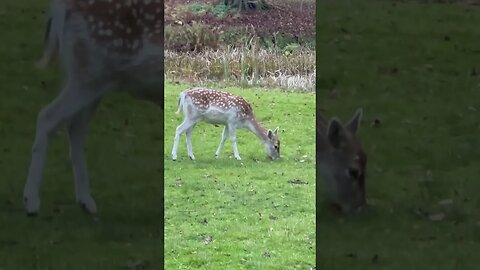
point(289, 68)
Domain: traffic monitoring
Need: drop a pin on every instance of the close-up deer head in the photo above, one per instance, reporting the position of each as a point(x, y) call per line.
point(341, 162)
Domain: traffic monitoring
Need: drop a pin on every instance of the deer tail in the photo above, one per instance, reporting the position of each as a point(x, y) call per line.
point(53, 33)
point(181, 100)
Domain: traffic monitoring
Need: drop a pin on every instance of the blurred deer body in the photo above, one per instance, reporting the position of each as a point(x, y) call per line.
point(104, 46)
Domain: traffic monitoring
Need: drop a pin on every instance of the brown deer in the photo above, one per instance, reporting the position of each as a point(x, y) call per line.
point(221, 108)
point(104, 46)
point(341, 161)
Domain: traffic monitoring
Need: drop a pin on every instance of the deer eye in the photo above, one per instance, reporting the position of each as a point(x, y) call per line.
point(275, 146)
point(353, 173)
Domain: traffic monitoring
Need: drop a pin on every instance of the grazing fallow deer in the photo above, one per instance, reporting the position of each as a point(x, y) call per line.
point(104, 46)
point(342, 162)
point(221, 108)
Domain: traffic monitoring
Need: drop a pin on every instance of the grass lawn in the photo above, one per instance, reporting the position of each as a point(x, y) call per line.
point(229, 214)
point(415, 67)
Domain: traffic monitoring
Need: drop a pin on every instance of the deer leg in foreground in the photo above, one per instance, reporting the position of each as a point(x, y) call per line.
point(179, 131)
point(233, 138)
point(69, 103)
point(77, 131)
point(222, 142)
point(188, 135)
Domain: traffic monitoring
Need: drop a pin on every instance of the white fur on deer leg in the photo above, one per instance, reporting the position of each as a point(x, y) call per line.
point(76, 133)
point(88, 205)
point(31, 201)
point(188, 135)
point(233, 138)
point(174, 149)
point(222, 142)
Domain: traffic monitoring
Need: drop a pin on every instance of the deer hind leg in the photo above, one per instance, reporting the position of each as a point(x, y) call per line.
point(77, 130)
point(233, 138)
point(187, 123)
point(222, 142)
point(188, 135)
point(69, 103)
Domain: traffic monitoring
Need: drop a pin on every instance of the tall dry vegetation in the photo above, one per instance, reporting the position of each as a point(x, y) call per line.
point(200, 53)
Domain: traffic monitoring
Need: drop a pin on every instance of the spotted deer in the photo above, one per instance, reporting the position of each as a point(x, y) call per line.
point(221, 108)
point(104, 46)
point(341, 161)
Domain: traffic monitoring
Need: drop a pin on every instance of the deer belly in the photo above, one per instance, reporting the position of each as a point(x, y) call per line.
point(216, 117)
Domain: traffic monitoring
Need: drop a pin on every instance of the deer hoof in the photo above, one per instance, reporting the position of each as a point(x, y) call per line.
point(192, 157)
point(174, 157)
point(238, 158)
point(32, 214)
point(216, 156)
point(88, 205)
point(32, 205)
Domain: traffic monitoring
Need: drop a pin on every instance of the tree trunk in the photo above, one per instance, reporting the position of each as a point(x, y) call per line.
point(245, 5)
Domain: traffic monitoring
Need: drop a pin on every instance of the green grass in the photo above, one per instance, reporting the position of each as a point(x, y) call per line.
point(219, 10)
point(124, 165)
point(416, 68)
point(247, 207)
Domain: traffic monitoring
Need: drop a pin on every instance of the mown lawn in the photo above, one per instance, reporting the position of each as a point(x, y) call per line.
point(124, 156)
point(229, 214)
point(415, 67)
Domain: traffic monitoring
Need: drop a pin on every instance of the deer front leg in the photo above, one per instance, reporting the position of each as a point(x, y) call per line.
point(44, 130)
point(77, 130)
point(188, 135)
point(222, 142)
point(233, 138)
point(73, 99)
point(68, 104)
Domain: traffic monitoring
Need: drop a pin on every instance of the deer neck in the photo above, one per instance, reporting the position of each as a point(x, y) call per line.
point(256, 128)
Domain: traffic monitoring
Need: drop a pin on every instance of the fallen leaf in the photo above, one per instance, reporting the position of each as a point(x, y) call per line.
point(297, 182)
point(376, 123)
point(420, 212)
point(445, 202)
point(437, 217)
point(351, 255)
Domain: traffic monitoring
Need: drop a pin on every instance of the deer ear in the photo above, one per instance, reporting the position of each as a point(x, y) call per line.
point(354, 123)
point(335, 133)
point(275, 132)
point(269, 133)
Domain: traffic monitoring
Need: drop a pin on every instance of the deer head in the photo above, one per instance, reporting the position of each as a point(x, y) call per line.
point(272, 144)
point(342, 162)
